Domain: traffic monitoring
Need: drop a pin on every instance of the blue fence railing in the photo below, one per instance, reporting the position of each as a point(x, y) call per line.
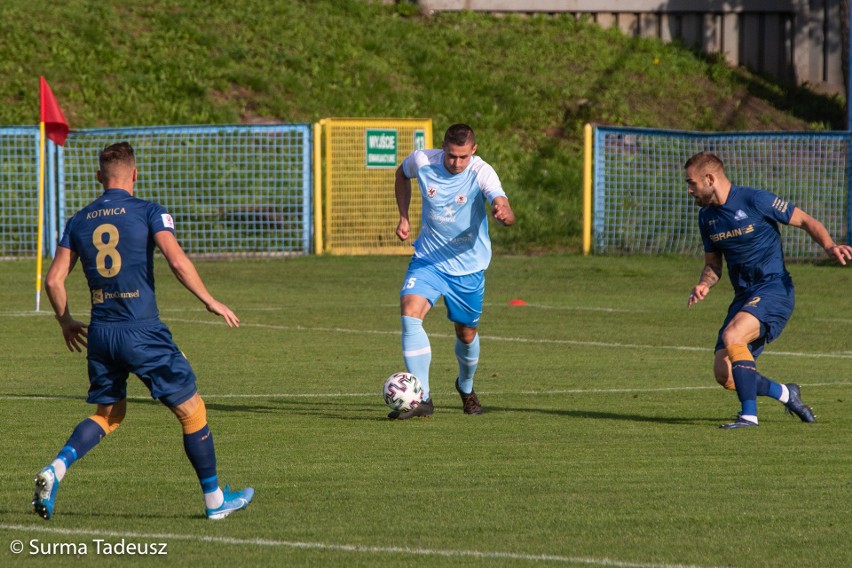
point(641, 204)
point(233, 190)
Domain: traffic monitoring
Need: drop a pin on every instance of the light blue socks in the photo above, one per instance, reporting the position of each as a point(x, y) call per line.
point(416, 351)
point(468, 356)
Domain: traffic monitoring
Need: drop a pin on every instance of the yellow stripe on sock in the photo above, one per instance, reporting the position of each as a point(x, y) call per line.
point(196, 420)
point(739, 352)
point(107, 424)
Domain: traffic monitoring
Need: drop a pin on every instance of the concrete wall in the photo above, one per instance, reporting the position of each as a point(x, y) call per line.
point(799, 41)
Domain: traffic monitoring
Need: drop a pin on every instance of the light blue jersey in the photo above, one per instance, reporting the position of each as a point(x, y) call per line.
point(454, 228)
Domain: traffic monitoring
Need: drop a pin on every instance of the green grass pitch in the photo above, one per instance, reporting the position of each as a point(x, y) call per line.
point(599, 445)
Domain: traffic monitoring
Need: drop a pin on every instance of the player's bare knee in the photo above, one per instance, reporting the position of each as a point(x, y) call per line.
point(731, 337)
point(414, 306)
point(466, 334)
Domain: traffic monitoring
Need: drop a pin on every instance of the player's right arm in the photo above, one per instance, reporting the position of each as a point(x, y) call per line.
point(187, 275)
point(709, 277)
point(402, 189)
point(73, 331)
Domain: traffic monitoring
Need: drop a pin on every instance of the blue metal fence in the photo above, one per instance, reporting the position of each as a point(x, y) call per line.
point(641, 205)
point(18, 191)
point(233, 190)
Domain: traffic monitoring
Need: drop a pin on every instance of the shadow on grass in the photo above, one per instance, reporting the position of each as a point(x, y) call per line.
point(337, 410)
point(373, 412)
point(343, 410)
point(26, 514)
point(219, 407)
point(597, 415)
point(800, 101)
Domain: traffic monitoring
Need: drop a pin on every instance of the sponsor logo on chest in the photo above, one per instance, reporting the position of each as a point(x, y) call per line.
point(738, 232)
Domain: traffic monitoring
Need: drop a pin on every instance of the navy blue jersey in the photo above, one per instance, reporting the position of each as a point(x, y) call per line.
point(745, 231)
point(114, 238)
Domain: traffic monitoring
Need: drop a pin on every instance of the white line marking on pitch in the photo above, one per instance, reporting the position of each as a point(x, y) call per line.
point(514, 339)
point(546, 307)
point(343, 547)
point(840, 355)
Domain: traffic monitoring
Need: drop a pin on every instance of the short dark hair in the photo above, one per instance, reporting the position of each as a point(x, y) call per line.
point(459, 135)
point(116, 156)
point(704, 161)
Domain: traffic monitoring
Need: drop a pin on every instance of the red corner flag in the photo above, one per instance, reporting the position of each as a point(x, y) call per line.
point(55, 125)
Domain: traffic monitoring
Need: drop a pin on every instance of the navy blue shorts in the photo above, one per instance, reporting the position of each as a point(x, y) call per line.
point(771, 303)
point(143, 348)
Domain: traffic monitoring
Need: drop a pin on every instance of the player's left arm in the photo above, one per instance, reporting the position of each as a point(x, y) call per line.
point(185, 271)
point(502, 211)
point(820, 235)
point(73, 331)
point(492, 189)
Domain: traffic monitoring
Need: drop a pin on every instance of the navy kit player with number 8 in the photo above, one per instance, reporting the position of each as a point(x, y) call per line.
point(114, 239)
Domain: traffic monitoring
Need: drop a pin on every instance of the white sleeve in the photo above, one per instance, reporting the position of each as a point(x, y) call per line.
point(413, 162)
point(489, 183)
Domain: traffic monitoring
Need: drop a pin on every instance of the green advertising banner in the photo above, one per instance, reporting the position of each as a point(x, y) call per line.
point(381, 147)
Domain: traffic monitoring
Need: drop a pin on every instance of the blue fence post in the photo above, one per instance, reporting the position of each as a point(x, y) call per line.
point(60, 193)
point(849, 129)
point(599, 195)
point(50, 195)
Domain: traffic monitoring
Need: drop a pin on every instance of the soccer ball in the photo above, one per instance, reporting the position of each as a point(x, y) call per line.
point(402, 392)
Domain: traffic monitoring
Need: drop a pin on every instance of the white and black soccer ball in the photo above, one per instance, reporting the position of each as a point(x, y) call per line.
point(402, 392)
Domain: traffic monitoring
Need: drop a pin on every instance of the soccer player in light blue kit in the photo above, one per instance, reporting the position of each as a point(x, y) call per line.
point(450, 254)
point(114, 239)
point(741, 224)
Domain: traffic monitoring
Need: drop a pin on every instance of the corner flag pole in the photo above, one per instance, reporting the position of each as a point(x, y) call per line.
point(40, 237)
point(52, 124)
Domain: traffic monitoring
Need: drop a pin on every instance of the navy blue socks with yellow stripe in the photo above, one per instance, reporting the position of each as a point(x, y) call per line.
point(85, 436)
point(198, 445)
point(751, 384)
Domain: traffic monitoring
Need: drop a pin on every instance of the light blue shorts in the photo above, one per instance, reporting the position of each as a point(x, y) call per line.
point(463, 295)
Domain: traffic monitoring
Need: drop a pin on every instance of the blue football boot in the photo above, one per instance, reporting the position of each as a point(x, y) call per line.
point(46, 487)
point(234, 501)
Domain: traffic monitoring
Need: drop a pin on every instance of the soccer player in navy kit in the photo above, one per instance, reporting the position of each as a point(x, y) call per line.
point(741, 224)
point(114, 239)
point(450, 255)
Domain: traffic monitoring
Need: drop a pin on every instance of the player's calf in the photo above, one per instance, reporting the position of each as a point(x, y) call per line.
point(727, 381)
